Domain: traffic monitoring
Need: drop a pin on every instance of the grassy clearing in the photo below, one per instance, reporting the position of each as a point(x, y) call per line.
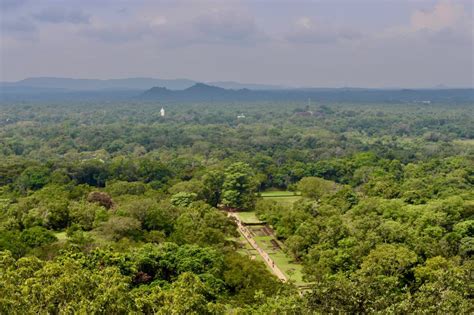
point(292, 270)
point(286, 200)
point(248, 217)
point(61, 236)
point(279, 193)
point(285, 197)
point(469, 143)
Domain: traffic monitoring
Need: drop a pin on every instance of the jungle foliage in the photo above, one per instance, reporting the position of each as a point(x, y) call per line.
point(110, 208)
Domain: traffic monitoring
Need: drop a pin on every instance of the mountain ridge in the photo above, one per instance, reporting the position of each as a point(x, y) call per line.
point(137, 83)
point(205, 92)
point(48, 89)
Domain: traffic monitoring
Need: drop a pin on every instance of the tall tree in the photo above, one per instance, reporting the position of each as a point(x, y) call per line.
point(239, 186)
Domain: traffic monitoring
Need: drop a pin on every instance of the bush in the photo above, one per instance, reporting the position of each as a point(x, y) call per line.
point(37, 236)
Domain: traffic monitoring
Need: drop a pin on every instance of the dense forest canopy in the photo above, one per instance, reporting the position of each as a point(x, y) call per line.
point(110, 208)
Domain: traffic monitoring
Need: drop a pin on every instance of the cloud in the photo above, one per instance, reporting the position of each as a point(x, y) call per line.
point(307, 30)
point(58, 15)
point(214, 27)
point(444, 15)
point(20, 28)
point(445, 23)
point(21, 25)
point(11, 4)
point(117, 33)
point(158, 21)
point(227, 26)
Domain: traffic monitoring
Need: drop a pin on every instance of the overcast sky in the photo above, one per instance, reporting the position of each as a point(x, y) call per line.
point(333, 43)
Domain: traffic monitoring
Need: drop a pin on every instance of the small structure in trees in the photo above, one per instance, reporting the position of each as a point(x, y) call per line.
point(162, 112)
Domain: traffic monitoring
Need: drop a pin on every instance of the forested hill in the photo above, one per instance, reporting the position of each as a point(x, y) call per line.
point(203, 92)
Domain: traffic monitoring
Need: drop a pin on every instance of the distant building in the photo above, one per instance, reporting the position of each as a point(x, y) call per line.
point(162, 112)
point(423, 102)
point(240, 116)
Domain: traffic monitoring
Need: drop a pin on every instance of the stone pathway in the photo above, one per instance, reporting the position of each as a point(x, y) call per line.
point(245, 232)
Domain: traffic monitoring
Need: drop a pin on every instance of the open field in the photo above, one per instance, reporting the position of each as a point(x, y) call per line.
point(285, 197)
point(249, 217)
point(266, 240)
point(61, 236)
point(465, 143)
point(269, 244)
point(279, 193)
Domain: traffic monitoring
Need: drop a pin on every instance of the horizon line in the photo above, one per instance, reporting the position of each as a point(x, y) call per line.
point(274, 85)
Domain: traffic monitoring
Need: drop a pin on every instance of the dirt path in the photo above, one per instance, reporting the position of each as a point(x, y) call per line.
point(244, 231)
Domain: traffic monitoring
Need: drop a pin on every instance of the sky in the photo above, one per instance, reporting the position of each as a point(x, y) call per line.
point(333, 43)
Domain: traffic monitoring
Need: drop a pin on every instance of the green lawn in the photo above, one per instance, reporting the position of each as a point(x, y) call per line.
point(279, 193)
point(465, 142)
point(284, 197)
point(292, 270)
point(61, 236)
point(248, 217)
point(280, 258)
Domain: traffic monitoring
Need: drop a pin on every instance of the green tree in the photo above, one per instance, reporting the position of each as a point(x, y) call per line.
point(85, 214)
point(442, 287)
point(118, 227)
point(37, 236)
point(183, 199)
point(212, 190)
point(11, 241)
point(34, 177)
point(239, 187)
point(315, 187)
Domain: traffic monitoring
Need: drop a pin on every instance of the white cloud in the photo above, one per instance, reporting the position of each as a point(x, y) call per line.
point(158, 21)
point(217, 26)
point(305, 23)
point(312, 43)
point(446, 22)
point(307, 30)
point(445, 14)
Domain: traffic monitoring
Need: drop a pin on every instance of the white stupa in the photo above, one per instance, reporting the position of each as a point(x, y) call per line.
point(162, 112)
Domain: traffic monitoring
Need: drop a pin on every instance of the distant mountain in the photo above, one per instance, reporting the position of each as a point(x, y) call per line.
point(94, 84)
point(205, 92)
point(199, 92)
point(201, 88)
point(251, 86)
point(124, 84)
point(66, 89)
